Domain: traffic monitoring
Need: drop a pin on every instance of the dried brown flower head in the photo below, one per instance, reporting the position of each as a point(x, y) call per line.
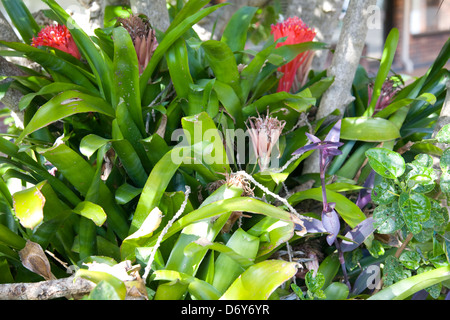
point(143, 36)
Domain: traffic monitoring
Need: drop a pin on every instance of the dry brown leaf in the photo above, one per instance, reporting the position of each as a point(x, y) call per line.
point(34, 259)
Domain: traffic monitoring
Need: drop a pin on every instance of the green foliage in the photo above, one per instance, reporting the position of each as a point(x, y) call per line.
point(406, 203)
point(105, 182)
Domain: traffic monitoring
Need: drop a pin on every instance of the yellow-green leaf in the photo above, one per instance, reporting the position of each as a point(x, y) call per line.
point(29, 206)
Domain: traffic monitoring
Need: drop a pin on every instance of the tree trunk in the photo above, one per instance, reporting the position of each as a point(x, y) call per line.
point(6, 32)
point(12, 97)
point(94, 9)
point(155, 10)
point(346, 58)
point(343, 67)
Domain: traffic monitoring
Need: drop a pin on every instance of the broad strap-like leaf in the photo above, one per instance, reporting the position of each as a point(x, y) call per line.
point(63, 105)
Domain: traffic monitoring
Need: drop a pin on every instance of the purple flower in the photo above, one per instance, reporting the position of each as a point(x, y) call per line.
point(328, 148)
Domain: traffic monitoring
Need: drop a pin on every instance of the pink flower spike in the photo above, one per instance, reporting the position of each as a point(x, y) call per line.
point(57, 37)
point(296, 32)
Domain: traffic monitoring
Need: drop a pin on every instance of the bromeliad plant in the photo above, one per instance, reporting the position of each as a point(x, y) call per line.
point(104, 180)
point(110, 191)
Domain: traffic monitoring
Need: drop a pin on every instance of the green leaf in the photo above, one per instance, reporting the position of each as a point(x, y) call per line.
point(80, 174)
point(91, 143)
point(140, 237)
point(350, 212)
point(394, 271)
point(388, 219)
point(336, 291)
point(226, 269)
point(91, 211)
point(289, 52)
point(201, 230)
point(443, 136)
point(158, 181)
point(384, 192)
point(254, 284)
point(126, 75)
point(22, 19)
point(104, 291)
point(128, 131)
point(415, 208)
point(277, 232)
point(444, 162)
point(231, 102)
point(329, 268)
point(410, 259)
point(178, 64)
point(99, 276)
point(386, 163)
point(130, 161)
point(200, 128)
point(198, 288)
point(387, 58)
point(188, 9)
point(368, 129)
point(407, 287)
point(235, 33)
point(11, 239)
point(54, 63)
point(54, 87)
point(125, 193)
point(250, 73)
point(29, 205)
point(222, 62)
point(314, 283)
point(398, 104)
point(184, 21)
point(63, 105)
point(221, 207)
point(97, 59)
point(299, 102)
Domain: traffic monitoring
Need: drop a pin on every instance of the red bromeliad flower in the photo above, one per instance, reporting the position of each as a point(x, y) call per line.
point(57, 37)
point(296, 32)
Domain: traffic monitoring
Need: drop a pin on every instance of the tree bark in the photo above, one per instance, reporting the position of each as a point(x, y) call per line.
point(6, 31)
point(343, 67)
point(346, 58)
point(155, 10)
point(95, 10)
point(46, 290)
point(12, 97)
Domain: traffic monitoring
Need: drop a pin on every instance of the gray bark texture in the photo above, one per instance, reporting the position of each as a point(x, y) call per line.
point(155, 10)
point(95, 9)
point(46, 290)
point(12, 97)
point(343, 67)
point(6, 32)
point(346, 58)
